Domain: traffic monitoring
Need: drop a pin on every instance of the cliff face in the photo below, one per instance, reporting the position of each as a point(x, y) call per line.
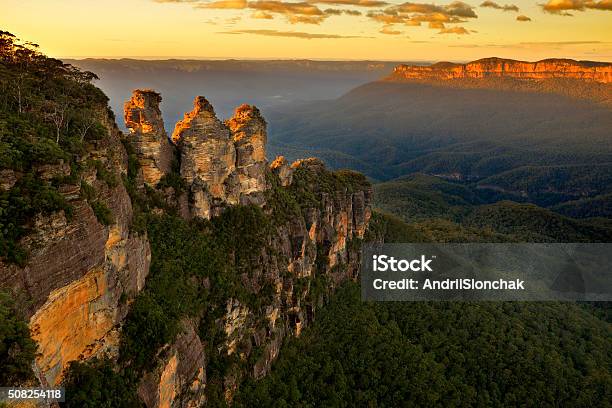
point(505, 68)
point(144, 121)
point(80, 273)
point(84, 270)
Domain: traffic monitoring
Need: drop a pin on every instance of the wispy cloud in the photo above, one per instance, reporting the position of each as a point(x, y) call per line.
point(494, 5)
point(522, 18)
point(294, 34)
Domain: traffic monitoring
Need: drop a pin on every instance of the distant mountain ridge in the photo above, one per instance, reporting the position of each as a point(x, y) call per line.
point(507, 68)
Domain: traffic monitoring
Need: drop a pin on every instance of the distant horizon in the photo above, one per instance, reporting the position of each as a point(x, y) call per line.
point(399, 60)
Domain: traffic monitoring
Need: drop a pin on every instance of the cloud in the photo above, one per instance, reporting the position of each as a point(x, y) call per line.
point(299, 12)
point(522, 18)
point(561, 7)
point(223, 4)
point(415, 14)
point(262, 15)
point(456, 9)
point(389, 30)
point(360, 3)
point(454, 30)
point(460, 9)
point(294, 34)
point(275, 6)
point(494, 5)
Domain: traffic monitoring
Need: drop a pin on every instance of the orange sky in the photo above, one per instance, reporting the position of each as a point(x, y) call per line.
point(325, 29)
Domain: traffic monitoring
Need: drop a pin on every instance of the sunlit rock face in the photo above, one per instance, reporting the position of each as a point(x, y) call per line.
point(144, 121)
point(506, 68)
point(223, 163)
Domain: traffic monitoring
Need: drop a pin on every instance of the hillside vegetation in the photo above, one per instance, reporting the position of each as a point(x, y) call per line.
point(543, 146)
point(441, 354)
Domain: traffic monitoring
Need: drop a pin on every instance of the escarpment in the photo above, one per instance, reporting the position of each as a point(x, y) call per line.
point(88, 266)
point(586, 80)
point(505, 68)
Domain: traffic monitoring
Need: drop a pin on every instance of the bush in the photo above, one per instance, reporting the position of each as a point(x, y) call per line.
point(102, 213)
point(17, 349)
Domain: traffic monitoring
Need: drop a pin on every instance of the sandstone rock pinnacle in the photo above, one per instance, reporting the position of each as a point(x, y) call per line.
point(144, 121)
point(248, 129)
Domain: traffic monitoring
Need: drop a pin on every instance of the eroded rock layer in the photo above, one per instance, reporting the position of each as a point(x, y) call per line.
point(506, 68)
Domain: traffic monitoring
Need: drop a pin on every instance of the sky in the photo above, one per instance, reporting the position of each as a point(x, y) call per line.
point(316, 29)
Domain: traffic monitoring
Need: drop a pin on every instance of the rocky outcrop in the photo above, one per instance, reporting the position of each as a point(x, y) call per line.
point(281, 168)
point(506, 68)
point(147, 135)
point(223, 163)
point(80, 274)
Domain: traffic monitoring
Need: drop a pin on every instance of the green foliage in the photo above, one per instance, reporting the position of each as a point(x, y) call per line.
point(174, 180)
point(188, 258)
point(598, 206)
point(147, 328)
point(103, 174)
point(17, 349)
point(522, 146)
point(96, 384)
point(102, 213)
point(440, 354)
point(443, 211)
point(18, 205)
point(310, 181)
point(48, 114)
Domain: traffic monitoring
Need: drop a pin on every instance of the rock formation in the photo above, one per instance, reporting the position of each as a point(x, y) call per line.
point(249, 134)
point(281, 168)
point(223, 163)
point(208, 159)
point(144, 121)
point(506, 68)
